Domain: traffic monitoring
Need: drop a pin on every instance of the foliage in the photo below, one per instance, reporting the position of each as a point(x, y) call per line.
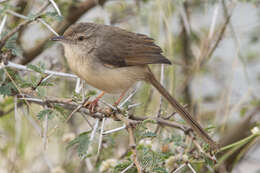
point(82, 142)
point(217, 100)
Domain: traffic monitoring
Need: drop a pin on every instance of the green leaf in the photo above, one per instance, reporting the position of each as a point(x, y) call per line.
point(83, 142)
point(148, 134)
point(46, 83)
point(26, 84)
point(159, 170)
point(41, 91)
point(243, 111)
point(11, 44)
point(49, 112)
point(121, 166)
point(60, 110)
point(35, 68)
point(7, 88)
point(91, 93)
point(149, 121)
point(76, 96)
point(210, 128)
point(83, 145)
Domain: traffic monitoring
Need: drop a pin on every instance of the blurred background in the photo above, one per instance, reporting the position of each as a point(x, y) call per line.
point(214, 48)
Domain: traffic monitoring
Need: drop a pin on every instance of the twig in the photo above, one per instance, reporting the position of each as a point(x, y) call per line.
point(94, 130)
point(74, 111)
point(179, 168)
point(114, 130)
point(47, 77)
point(19, 90)
point(203, 152)
point(101, 137)
point(48, 26)
point(206, 54)
point(214, 19)
point(48, 162)
point(185, 18)
point(132, 144)
point(17, 14)
point(2, 24)
point(191, 168)
point(133, 105)
point(45, 130)
point(128, 98)
point(66, 103)
point(107, 104)
point(90, 125)
point(39, 83)
point(33, 122)
point(55, 7)
point(17, 118)
point(161, 98)
point(22, 67)
point(22, 25)
point(77, 87)
point(127, 168)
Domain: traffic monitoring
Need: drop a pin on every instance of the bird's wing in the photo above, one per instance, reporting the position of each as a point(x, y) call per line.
point(121, 48)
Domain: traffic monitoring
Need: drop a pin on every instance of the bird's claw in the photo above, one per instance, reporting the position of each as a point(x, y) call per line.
point(92, 105)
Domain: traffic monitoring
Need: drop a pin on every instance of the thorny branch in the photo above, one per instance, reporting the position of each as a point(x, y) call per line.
point(22, 25)
point(132, 144)
point(208, 46)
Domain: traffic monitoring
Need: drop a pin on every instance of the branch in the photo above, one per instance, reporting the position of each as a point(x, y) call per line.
point(22, 67)
point(22, 25)
point(207, 49)
point(132, 144)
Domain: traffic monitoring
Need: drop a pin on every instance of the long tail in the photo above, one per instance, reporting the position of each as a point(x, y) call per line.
point(181, 110)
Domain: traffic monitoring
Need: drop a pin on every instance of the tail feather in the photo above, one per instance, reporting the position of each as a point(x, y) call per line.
point(181, 110)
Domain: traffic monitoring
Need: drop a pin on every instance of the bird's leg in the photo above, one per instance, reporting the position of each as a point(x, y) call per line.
point(91, 105)
point(120, 98)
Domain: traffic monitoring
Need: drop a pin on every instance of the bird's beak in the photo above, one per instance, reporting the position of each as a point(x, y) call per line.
point(57, 38)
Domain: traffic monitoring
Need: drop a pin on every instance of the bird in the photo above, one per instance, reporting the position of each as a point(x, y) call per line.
point(112, 60)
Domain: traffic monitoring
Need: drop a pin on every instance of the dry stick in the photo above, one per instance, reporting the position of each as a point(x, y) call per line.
point(17, 122)
point(132, 143)
point(32, 121)
point(70, 115)
point(20, 92)
point(203, 152)
point(55, 7)
point(126, 169)
point(100, 139)
point(45, 131)
point(114, 130)
point(22, 67)
point(179, 168)
point(191, 168)
point(3, 24)
point(22, 25)
point(68, 104)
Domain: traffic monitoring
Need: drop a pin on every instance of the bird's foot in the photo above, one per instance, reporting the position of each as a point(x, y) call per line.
point(92, 105)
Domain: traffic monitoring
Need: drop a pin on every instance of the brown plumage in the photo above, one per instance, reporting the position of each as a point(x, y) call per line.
point(112, 59)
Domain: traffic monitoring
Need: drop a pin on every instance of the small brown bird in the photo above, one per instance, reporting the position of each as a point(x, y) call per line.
point(112, 60)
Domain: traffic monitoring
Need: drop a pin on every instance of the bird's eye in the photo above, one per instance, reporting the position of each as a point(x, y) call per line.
point(80, 38)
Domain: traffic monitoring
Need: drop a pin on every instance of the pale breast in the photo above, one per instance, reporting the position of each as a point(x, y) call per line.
point(108, 79)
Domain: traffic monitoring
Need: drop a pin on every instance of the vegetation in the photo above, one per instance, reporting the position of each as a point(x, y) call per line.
point(45, 127)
